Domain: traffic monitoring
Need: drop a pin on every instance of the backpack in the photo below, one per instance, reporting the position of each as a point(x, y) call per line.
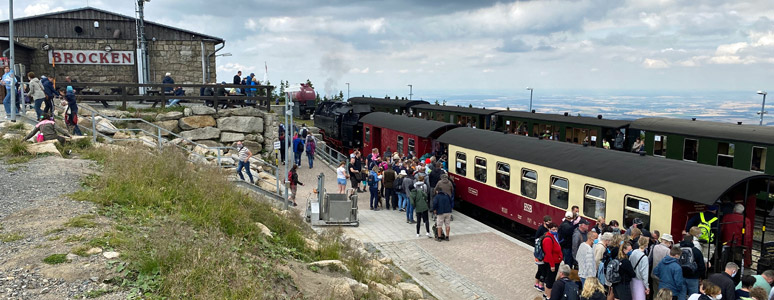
point(304, 132)
point(571, 291)
point(611, 271)
point(300, 147)
point(309, 147)
point(371, 180)
point(686, 260)
point(290, 177)
point(601, 273)
point(398, 184)
point(538, 252)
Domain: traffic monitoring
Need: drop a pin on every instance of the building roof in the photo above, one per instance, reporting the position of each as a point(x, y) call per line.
point(416, 126)
point(716, 130)
point(686, 180)
point(133, 19)
point(459, 109)
point(385, 102)
point(566, 119)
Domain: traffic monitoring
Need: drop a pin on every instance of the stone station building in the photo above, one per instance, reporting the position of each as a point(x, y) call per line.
point(94, 45)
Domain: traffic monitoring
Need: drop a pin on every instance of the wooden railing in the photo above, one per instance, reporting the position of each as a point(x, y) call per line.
point(128, 92)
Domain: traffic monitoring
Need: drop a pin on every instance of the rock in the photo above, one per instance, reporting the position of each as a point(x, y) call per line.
point(337, 289)
point(104, 126)
point(391, 292)
point(95, 250)
point(71, 256)
point(253, 146)
point(111, 255)
point(210, 143)
point(311, 244)
point(227, 161)
point(170, 126)
point(148, 141)
point(241, 124)
point(410, 291)
point(197, 159)
point(187, 112)
point(148, 116)
point(11, 136)
point(202, 110)
point(264, 230)
point(385, 260)
point(46, 147)
point(228, 137)
point(333, 265)
point(383, 272)
point(240, 111)
point(122, 135)
point(172, 115)
point(258, 138)
point(194, 122)
point(360, 290)
point(206, 133)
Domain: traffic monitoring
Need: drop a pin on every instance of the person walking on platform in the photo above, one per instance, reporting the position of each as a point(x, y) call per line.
point(281, 139)
point(553, 255)
point(51, 93)
point(585, 258)
point(622, 288)
point(389, 191)
point(725, 281)
point(659, 252)
point(341, 177)
point(293, 179)
point(418, 199)
point(670, 274)
point(408, 184)
point(579, 236)
point(36, 93)
point(566, 229)
point(311, 147)
point(354, 172)
point(442, 206)
point(298, 149)
point(707, 221)
point(244, 161)
point(372, 180)
point(692, 273)
point(540, 275)
point(733, 226)
point(639, 285)
point(565, 289)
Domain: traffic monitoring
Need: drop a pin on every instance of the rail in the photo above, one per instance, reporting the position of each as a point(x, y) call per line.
point(331, 156)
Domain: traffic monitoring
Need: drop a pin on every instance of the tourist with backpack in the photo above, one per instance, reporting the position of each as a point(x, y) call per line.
point(619, 273)
point(418, 199)
point(298, 149)
point(670, 273)
point(372, 180)
point(293, 180)
point(692, 263)
point(564, 288)
point(639, 285)
point(408, 184)
point(311, 146)
point(540, 275)
point(553, 255)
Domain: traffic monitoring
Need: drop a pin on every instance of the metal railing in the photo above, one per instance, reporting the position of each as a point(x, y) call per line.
point(331, 156)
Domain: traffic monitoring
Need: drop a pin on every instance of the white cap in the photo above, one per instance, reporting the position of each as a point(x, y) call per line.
point(568, 215)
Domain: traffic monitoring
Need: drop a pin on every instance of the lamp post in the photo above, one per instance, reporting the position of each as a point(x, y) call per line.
point(347, 90)
point(763, 104)
point(411, 90)
point(530, 98)
point(11, 62)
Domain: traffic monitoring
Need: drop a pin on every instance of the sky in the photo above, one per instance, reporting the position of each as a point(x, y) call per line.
point(437, 46)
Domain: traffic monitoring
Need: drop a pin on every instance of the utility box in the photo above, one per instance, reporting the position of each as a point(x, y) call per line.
point(332, 209)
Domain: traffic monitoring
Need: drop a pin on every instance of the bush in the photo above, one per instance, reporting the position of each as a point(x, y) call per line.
point(55, 259)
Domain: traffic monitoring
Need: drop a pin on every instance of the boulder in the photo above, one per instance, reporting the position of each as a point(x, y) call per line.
point(264, 230)
point(253, 146)
point(148, 141)
point(391, 292)
point(333, 265)
point(46, 147)
point(95, 250)
point(247, 111)
point(122, 135)
point(71, 256)
point(187, 112)
point(209, 143)
point(148, 116)
point(360, 290)
point(197, 159)
point(337, 288)
point(202, 110)
point(410, 291)
point(311, 244)
point(206, 133)
point(104, 126)
point(170, 125)
point(193, 122)
point(241, 124)
point(228, 137)
point(381, 271)
point(227, 161)
point(257, 137)
point(111, 255)
point(172, 115)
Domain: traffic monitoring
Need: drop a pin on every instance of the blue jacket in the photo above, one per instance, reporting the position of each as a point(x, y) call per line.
point(48, 88)
point(670, 275)
point(168, 80)
point(375, 183)
point(442, 203)
point(70, 97)
point(297, 141)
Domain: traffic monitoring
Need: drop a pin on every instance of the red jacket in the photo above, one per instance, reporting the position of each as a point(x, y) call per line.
point(731, 231)
point(552, 249)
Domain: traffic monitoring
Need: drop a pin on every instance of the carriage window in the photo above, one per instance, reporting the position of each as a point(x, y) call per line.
point(400, 145)
point(660, 145)
point(411, 146)
point(503, 176)
point(758, 159)
point(637, 207)
point(461, 164)
point(368, 134)
point(528, 183)
point(690, 149)
point(480, 172)
point(560, 192)
point(726, 155)
point(594, 202)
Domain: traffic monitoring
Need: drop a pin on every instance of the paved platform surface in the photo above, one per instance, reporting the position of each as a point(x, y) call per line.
point(477, 263)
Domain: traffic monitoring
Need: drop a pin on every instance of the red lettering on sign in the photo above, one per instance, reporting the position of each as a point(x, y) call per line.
point(81, 58)
point(68, 57)
point(57, 57)
point(103, 59)
point(127, 58)
point(114, 57)
point(92, 59)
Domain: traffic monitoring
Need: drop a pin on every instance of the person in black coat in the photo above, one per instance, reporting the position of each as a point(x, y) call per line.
point(622, 289)
point(692, 278)
point(566, 229)
point(725, 280)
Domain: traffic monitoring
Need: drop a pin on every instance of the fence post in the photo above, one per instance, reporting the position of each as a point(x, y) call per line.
point(93, 128)
point(218, 154)
point(123, 96)
point(158, 138)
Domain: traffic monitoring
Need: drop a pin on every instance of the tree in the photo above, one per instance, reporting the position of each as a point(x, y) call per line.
point(396, 97)
point(341, 96)
point(444, 102)
point(508, 108)
point(470, 105)
point(309, 83)
point(436, 102)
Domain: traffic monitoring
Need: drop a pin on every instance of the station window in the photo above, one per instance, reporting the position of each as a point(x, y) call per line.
point(659, 145)
point(726, 155)
point(411, 146)
point(461, 164)
point(503, 176)
point(480, 171)
point(594, 202)
point(758, 159)
point(368, 134)
point(529, 183)
point(636, 207)
point(691, 149)
point(560, 192)
point(400, 145)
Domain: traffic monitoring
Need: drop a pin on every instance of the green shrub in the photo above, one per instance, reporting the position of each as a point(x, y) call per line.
point(55, 259)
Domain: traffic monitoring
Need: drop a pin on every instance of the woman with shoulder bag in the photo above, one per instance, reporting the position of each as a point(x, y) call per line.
point(36, 93)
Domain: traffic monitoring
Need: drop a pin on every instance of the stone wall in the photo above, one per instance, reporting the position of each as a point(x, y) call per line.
point(181, 58)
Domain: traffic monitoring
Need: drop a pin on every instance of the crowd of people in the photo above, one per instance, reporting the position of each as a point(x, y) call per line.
point(576, 261)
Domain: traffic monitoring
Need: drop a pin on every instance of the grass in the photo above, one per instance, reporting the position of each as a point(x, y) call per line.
point(13, 147)
point(185, 231)
point(55, 230)
point(17, 126)
point(74, 238)
point(55, 259)
point(82, 221)
point(95, 293)
point(80, 250)
point(78, 146)
point(10, 237)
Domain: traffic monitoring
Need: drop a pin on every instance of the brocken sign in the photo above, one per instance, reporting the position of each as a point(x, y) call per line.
point(90, 57)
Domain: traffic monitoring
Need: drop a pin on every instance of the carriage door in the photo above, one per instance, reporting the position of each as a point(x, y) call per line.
point(376, 140)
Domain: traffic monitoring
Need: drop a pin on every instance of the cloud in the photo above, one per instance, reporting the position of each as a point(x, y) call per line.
point(40, 8)
point(654, 64)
